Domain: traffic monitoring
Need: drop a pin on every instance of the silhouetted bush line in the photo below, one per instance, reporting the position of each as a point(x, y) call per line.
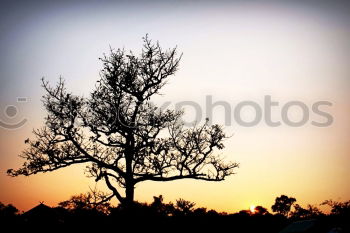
point(80, 212)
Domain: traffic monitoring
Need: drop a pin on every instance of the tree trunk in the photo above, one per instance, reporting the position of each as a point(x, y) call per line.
point(129, 180)
point(129, 193)
point(129, 183)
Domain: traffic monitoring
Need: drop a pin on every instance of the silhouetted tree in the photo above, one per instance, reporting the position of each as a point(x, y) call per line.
point(244, 212)
point(184, 207)
point(122, 137)
point(93, 200)
point(212, 213)
point(7, 211)
point(162, 208)
point(283, 204)
point(339, 208)
point(200, 211)
point(299, 212)
point(310, 212)
point(158, 203)
point(341, 213)
point(259, 210)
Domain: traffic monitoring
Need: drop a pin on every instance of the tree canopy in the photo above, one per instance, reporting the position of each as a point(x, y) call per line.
point(119, 134)
point(283, 205)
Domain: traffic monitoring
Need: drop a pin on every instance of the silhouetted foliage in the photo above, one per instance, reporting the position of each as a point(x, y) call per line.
point(299, 212)
point(200, 211)
point(93, 200)
point(213, 213)
point(259, 210)
point(340, 213)
point(79, 214)
point(283, 205)
point(122, 137)
point(184, 207)
point(308, 213)
point(162, 208)
point(338, 208)
point(245, 212)
point(7, 210)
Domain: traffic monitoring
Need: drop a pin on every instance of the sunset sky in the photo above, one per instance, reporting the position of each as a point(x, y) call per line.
point(232, 50)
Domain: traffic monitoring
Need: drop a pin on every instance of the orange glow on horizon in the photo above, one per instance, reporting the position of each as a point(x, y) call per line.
point(252, 209)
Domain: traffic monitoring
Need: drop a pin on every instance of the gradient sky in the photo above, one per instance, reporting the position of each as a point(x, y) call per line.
point(232, 50)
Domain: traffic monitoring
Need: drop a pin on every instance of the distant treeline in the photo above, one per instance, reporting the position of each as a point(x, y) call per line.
point(92, 211)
